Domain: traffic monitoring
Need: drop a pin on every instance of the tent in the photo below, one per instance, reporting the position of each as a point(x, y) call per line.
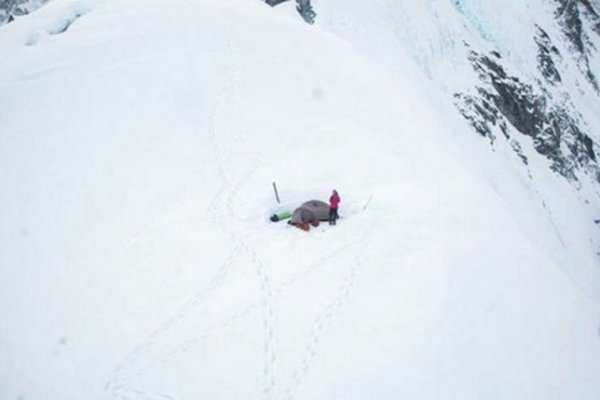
point(311, 212)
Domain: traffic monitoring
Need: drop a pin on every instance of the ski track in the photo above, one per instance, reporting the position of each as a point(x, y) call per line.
point(268, 314)
point(119, 386)
point(223, 214)
point(119, 383)
point(325, 317)
point(295, 279)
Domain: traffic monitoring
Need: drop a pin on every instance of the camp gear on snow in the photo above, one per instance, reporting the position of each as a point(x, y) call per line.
point(304, 227)
point(281, 216)
point(310, 212)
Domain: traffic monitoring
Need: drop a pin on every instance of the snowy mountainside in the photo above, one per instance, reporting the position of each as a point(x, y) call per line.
point(524, 69)
point(138, 147)
point(523, 76)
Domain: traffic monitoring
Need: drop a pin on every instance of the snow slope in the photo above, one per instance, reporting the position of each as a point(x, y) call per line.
point(438, 39)
point(138, 144)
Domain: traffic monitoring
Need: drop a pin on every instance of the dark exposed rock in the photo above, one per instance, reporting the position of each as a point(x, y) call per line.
point(592, 15)
point(273, 3)
point(479, 114)
point(569, 18)
point(506, 96)
point(567, 14)
point(516, 146)
point(304, 8)
point(545, 53)
point(9, 9)
point(306, 11)
point(510, 104)
point(6, 11)
point(540, 109)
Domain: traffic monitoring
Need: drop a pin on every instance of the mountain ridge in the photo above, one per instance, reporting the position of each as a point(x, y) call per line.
point(138, 149)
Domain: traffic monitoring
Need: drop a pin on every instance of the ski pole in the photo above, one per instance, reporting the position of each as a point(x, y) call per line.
point(276, 193)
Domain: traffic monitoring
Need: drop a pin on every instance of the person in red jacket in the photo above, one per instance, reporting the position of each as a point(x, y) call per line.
point(334, 202)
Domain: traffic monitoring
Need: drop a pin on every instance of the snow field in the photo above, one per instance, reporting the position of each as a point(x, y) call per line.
point(136, 240)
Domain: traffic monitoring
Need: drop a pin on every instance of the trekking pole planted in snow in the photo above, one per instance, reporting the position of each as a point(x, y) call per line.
point(368, 202)
point(276, 193)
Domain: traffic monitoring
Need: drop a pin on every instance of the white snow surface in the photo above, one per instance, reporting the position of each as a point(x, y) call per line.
point(137, 153)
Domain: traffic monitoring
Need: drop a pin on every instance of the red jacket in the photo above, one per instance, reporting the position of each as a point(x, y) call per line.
point(334, 200)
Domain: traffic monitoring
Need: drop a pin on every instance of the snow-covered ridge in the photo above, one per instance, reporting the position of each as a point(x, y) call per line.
point(139, 141)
